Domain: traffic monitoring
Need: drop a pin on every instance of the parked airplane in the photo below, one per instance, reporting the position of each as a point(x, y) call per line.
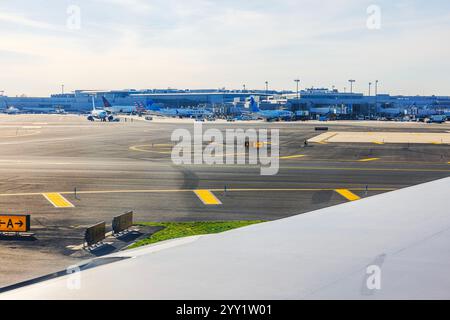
point(437, 119)
point(179, 112)
point(142, 109)
point(108, 107)
point(193, 113)
point(11, 110)
point(157, 111)
point(269, 114)
point(60, 110)
point(243, 117)
point(99, 114)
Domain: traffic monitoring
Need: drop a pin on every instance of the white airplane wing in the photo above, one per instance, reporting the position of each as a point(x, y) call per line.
point(391, 246)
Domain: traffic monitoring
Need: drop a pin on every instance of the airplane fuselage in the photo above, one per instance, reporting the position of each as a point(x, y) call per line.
point(12, 110)
point(275, 114)
point(101, 115)
point(182, 113)
point(121, 109)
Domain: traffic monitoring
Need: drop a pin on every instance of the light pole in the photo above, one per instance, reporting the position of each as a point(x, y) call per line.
point(370, 108)
point(351, 85)
point(267, 87)
point(297, 81)
point(243, 87)
point(376, 95)
point(62, 89)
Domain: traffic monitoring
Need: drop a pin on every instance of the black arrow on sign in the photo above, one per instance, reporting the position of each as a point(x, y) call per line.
point(20, 223)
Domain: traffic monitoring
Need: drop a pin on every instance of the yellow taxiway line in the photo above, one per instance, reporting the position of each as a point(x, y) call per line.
point(140, 149)
point(381, 161)
point(366, 169)
point(207, 197)
point(57, 200)
point(316, 168)
point(347, 194)
point(368, 159)
point(293, 157)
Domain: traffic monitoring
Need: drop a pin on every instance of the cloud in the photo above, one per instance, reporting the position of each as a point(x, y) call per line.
point(22, 20)
point(205, 43)
point(136, 6)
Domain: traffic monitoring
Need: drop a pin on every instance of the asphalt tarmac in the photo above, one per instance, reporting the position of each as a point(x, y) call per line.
point(116, 167)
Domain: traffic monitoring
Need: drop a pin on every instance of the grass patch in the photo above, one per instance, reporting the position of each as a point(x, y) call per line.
point(173, 230)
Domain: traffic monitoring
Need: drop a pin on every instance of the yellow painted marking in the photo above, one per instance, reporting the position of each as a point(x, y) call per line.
point(368, 159)
point(365, 169)
point(157, 150)
point(57, 200)
point(347, 194)
point(381, 160)
point(293, 157)
point(207, 197)
point(162, 145)
point(378, 142)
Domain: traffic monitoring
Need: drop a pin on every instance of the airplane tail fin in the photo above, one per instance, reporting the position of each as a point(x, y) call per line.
point(106, 103)
point(253, 105)
point(139, 106)
point(151, 106)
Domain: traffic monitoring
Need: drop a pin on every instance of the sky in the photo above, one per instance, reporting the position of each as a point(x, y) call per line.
point(121, 44)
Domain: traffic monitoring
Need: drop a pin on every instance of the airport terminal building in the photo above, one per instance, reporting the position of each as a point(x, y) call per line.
point(81, 100)
point(313, 102)
point(333, 102)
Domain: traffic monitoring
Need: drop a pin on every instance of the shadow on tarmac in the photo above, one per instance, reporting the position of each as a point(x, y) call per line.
point(5, 237)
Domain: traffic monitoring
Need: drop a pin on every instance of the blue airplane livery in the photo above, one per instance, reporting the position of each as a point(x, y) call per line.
point(178, 112)
point(269, 114)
